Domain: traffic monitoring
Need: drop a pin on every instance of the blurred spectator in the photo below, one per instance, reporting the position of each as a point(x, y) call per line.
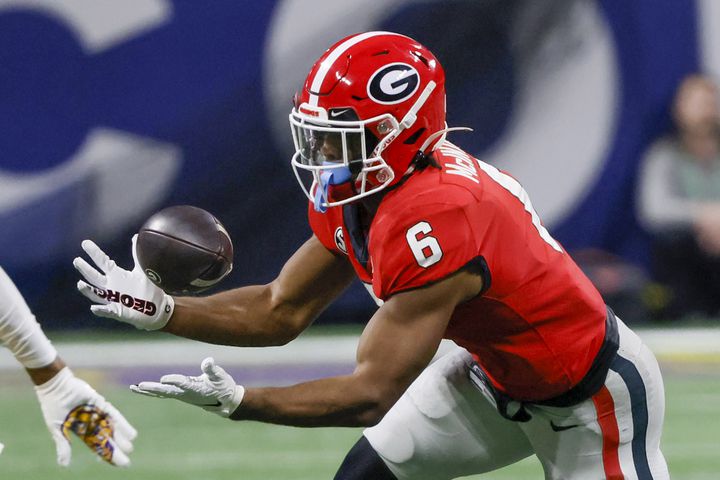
point(680, 200)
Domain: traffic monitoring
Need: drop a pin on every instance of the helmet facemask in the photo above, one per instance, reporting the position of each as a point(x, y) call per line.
point(342, 156)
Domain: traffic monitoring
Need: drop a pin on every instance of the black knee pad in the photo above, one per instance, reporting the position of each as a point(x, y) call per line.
point(363, 463)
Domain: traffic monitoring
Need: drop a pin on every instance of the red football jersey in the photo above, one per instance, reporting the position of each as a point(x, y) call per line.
point(539, 322)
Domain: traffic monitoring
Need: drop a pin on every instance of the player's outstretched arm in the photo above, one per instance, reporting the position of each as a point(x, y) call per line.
point(70, 406)
point(68, 403)
point(271, 314)
point(257, 315)
point(397, 344)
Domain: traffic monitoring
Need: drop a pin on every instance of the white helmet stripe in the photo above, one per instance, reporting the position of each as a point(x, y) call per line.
point(334, 55)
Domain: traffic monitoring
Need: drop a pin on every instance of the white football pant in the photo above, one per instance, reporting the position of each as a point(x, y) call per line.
point(443, 427)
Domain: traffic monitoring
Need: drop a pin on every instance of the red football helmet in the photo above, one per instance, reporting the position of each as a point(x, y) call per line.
point(370, 104)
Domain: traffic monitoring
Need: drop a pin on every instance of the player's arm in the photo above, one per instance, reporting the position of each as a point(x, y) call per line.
point(71, 406)
point(397, 344)
point(68, 403)
point(45, 373)
point(256, 315)
point(267, 314)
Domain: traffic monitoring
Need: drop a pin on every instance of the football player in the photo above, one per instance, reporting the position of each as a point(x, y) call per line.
point(68, 403)
point(452, 248)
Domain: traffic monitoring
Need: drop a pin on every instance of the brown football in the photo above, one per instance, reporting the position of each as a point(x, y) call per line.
point(184, 249)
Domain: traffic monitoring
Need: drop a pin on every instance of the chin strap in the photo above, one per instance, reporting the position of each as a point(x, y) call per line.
point(334, 176)
point(410, 117)
point(428, 141)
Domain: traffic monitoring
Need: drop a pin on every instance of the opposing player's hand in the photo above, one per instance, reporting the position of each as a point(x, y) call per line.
point(71, 405)
point(214, 390)
point(128, 296)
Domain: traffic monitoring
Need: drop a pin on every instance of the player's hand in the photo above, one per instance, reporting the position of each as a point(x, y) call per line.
point(214, 390)
point(71, 405)
point(128, 296)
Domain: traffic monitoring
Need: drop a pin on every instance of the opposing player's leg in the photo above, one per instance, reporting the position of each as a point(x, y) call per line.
point(616, 433)
point(444, 428)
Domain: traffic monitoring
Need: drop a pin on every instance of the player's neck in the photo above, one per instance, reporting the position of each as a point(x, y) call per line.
point(368, 207)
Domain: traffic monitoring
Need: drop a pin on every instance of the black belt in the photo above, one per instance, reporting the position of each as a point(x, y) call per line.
point(590, 384)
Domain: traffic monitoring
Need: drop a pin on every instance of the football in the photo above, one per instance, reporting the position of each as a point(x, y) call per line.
point(184, 249)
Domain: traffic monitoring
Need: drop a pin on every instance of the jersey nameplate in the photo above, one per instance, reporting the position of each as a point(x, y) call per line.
point(462, 164)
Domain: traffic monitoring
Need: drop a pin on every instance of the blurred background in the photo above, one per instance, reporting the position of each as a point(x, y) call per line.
point(110, 111)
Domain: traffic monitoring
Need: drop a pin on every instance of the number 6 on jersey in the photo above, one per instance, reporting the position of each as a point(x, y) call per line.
point(425, 248)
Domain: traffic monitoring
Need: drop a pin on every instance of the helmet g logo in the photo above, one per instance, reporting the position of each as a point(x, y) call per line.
point(393, 83)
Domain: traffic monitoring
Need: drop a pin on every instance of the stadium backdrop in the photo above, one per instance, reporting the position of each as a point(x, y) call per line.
point(112, 110)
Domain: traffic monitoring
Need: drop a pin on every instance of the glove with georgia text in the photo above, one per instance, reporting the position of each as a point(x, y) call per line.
point(70, 405)
point(125, 295)
point(214, 390)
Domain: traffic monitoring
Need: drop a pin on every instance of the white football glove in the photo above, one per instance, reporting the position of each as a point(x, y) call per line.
point(69, 404)
point(128, 296)
point(214, 390)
